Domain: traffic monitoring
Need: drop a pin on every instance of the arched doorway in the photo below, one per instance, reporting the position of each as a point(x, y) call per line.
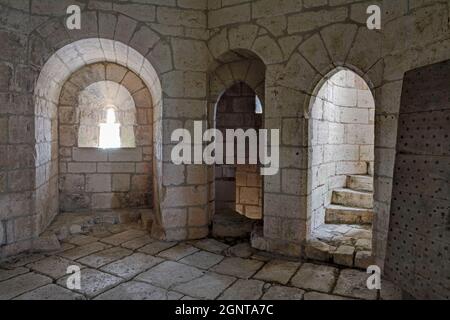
point(237, 103)
point(341, 165)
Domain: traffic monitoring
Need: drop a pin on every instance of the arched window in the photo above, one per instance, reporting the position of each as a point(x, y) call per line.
point(258, 106)
point(107, 116)
point(110, 131)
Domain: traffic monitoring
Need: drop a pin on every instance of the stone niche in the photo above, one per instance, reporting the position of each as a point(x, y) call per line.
point(92, 177)
point(418, 251)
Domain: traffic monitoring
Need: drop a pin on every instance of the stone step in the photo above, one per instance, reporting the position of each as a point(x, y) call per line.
point(337, 214)
point(352, 198)
point(360, 182)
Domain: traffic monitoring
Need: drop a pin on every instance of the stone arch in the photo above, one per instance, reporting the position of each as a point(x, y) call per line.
point(245, 37)
point(239, 67)
point(54, 73)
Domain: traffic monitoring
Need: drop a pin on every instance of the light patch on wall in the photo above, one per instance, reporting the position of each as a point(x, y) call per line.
point(110, 131)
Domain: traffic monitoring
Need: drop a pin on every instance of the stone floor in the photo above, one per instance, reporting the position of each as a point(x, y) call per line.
point(122, 262)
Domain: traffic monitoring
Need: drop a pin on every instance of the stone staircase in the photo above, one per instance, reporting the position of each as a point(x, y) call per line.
point(345, 238)
point(352, 204)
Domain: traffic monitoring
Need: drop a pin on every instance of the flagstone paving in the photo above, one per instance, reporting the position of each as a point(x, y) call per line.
point(123, 262)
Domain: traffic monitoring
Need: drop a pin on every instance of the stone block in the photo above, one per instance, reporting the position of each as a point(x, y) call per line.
point(180, 17)
point(343, 255)
point(318, 250)
point(190, 55)
point(21, 180)
point(89, 155)
point(121, 182)
point(81, 167)
point(268, 8)
point(3, 130)
point(364, 259)
point(104, 201)
point(125, 155)
point(98, 183)
point(123, 167)
point(307, 21)
point(229, 15)
point(21, 129)
point(185, 196)
point(141, 182)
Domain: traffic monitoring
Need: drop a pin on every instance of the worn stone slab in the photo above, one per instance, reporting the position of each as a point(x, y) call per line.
point(6, 274)
point(135, 290)
point(352, 283)
point(178, 252)
point(51, 292)
point(21, 260)
point(79, 252)
point(137, 243)
point(132, 265)
point(315, 277)
point(93, 282)
point(156, 247)
point(64, 247)
point(54, 266)
point(18, 285)
point(189, 298)
point(208, 286)
point(241, 250)
point(81, 239)
point(124, 236)
point(169, 273)
point(277, 271)
point(211, 245)
point(244, 290)
point(318, 250)
point(99, 259)
point(238, 267)
point(322, 296)
point(283, 293)
point(202, 259)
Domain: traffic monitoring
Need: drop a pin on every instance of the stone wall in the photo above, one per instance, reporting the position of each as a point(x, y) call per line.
point(341, 137)
point(180, 44)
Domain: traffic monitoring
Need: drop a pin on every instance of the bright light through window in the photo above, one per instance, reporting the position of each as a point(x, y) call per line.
point(258, 105)
point(110, 131)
